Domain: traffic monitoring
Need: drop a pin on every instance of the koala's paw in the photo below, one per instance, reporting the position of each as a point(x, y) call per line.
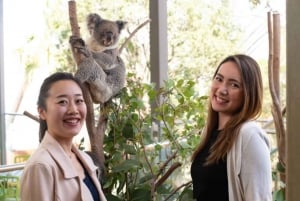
point(78, 45)
point(75, 40)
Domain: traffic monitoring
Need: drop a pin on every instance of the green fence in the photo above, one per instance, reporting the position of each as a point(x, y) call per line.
point(10, 182)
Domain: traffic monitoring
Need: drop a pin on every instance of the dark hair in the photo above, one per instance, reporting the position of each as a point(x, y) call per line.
point(44, 93)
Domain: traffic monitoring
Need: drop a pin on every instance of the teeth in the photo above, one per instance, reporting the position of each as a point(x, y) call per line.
point(72, 121)
point(220, 100)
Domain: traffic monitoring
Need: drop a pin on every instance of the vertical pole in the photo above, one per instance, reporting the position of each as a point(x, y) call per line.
point(158, 48)
point(158, 42)
point(2, 110)
point(293, 100)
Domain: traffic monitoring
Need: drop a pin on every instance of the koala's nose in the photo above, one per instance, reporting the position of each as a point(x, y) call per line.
point(109, 36)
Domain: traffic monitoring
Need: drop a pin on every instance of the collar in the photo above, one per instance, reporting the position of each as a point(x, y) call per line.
point(63, 161)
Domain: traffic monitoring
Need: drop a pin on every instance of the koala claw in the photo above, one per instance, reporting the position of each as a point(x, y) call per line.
point(75, 39)
point(79, 45)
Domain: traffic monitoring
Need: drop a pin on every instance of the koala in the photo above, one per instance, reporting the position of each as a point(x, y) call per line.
point(101, 66)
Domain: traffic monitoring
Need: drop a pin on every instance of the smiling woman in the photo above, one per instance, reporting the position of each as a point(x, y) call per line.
point(232, 162)
point(227, 92)
point(58, 170)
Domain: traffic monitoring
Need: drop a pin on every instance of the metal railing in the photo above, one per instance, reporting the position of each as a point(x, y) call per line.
point(9, 168)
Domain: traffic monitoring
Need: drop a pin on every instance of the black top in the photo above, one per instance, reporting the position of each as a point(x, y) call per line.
point(210, 182)
point(91, 186)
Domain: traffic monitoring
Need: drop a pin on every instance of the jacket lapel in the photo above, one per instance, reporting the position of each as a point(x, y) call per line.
point(59, 155)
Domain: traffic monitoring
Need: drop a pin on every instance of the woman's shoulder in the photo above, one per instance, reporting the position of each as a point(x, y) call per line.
point(40, 155)
point(252, 129)
point(40, 159)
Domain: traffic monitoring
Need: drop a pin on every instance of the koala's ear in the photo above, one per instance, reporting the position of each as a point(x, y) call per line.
point(121, 24)
point(93, 20)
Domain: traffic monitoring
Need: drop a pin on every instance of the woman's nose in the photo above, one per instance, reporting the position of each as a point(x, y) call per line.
point(223, 90)
point(72, 109)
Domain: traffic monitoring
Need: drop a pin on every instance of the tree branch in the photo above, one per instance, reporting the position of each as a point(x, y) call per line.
point(75, 29)
point(31, 116)
point(132, 34)
point(273, 67)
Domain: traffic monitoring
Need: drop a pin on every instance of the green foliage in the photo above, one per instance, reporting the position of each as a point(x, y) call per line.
point(199, 37)
point(135, 151)
point(277, 171)
point(279, 195)
point(186, 195)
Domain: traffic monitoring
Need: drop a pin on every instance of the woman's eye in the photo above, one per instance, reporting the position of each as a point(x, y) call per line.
point(235, 85)
point(62, 102)
point(218, 78)
point(79, 101)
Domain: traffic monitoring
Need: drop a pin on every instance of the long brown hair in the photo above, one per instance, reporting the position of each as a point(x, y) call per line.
point(251, 109)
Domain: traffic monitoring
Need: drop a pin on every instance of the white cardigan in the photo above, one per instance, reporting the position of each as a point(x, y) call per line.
point(249, 166)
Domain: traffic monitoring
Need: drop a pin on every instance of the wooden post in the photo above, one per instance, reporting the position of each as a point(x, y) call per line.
point(293, 100)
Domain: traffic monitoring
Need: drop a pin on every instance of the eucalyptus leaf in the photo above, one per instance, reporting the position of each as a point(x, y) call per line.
point(126, 165)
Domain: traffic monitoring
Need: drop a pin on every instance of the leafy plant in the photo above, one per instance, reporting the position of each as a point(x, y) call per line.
point(145, 148)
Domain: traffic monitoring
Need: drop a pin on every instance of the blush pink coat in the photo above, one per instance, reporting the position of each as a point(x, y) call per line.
point(50, 176)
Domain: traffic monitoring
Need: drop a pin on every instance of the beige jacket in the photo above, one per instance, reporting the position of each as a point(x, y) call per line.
point(249, 166)
point(50, 176)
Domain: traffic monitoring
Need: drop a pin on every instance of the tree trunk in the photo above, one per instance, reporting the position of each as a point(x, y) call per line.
point(96, 134)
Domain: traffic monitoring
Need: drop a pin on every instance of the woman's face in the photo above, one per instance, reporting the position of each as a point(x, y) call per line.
point(227, 94)
point(65, 109)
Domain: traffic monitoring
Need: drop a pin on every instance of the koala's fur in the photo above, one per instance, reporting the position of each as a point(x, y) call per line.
point(101, 67)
